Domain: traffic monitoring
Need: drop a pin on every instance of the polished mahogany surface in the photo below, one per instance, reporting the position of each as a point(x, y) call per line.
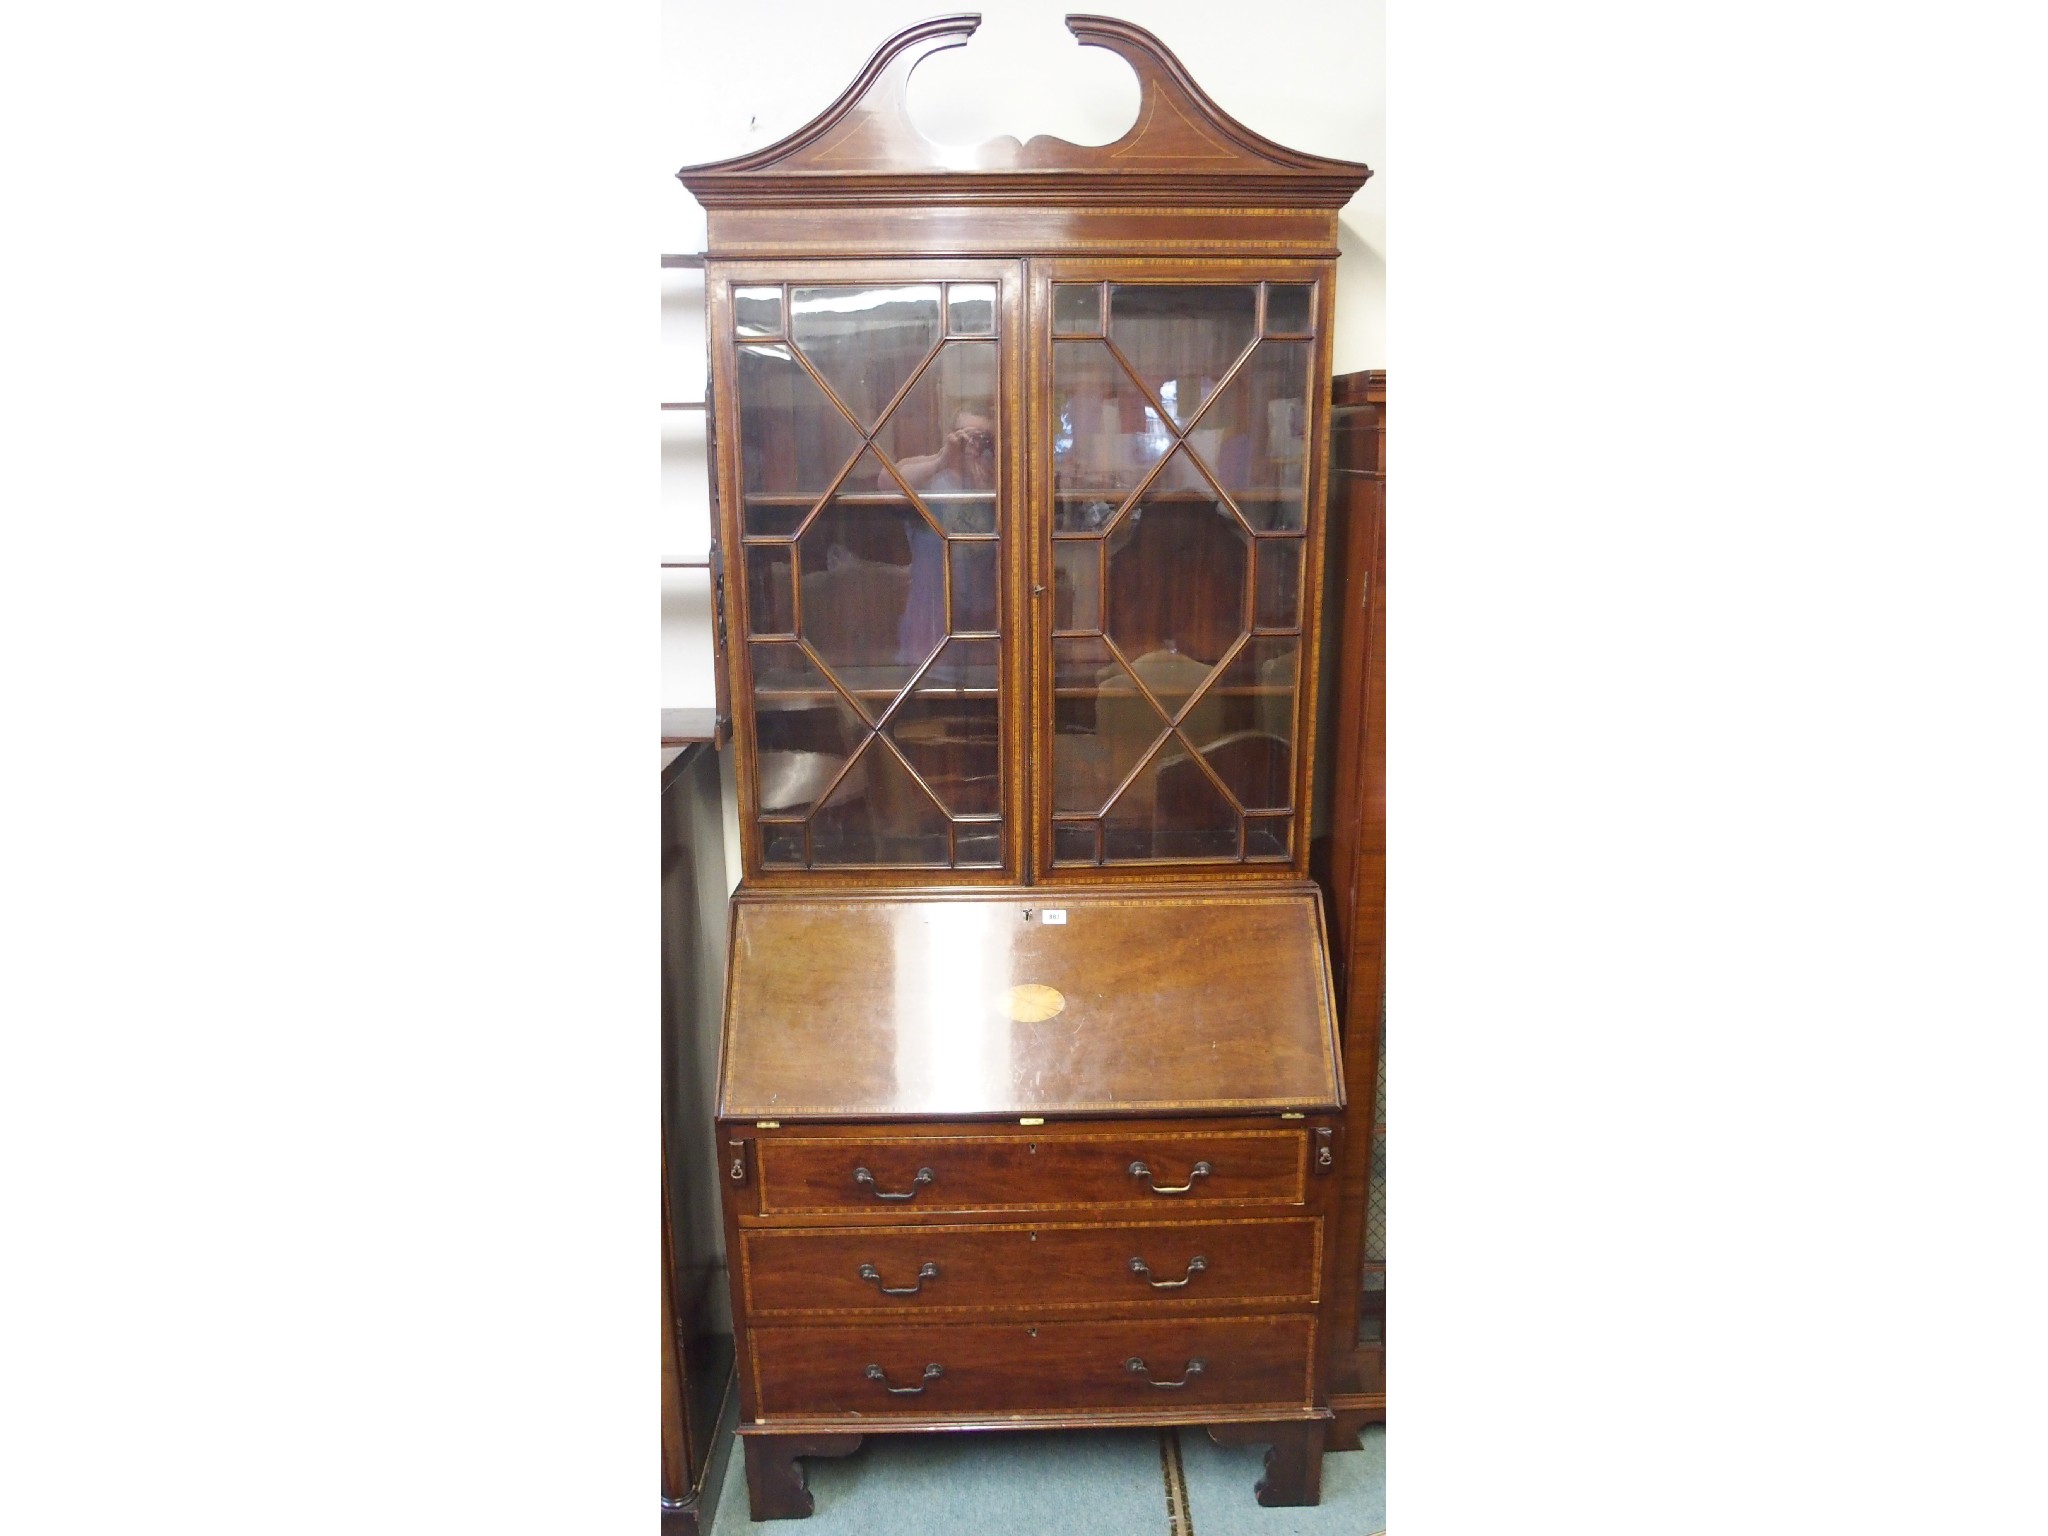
point(1060, 1266)
point(1018, 1169)
point(1048, 1003)
point(1019, 1369)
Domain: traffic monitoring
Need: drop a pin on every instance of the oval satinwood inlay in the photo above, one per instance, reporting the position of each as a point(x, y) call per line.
point(1031, 1003)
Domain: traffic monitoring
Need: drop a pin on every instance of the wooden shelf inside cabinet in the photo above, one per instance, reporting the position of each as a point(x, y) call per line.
point(1020, 465)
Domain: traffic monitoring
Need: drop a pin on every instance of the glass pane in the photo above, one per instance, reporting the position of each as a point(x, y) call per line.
point(865, 342)
point(782, 844)
point(793, 441)
point(1172, 810)
point(1288, 308)
point(974, 587)
point(942, 438)
point(1077, 309)
point(961, 512)
point(1077, 584)
point(775, 519)
point(802, 743)
point(1244, 723)
point(1106, 435)
point(971, 309)
point(947, 729)
point(966, 664)
point(878, 815)
point(1074, 842)
point(1182, 340)
point(781, 668)
point(1082, 514)
point(1279, 593)
point(977, 846)
point(1177, 564)
point(1268, 837)
point(1252, 439)
point(874, 587)
point(1102, 725)
point(771, 610)
point(757, 311)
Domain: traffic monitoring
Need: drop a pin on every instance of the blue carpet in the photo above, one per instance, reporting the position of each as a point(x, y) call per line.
point(1079, 1483)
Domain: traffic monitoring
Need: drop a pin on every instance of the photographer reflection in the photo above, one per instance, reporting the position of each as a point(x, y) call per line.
point(966, 461)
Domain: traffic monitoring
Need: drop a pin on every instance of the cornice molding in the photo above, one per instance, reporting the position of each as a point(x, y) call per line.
point(1183, 150)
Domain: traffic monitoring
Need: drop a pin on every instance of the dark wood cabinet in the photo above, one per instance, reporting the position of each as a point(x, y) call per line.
point(1353, 870)
point(1031, 1105)
point(696, 1331)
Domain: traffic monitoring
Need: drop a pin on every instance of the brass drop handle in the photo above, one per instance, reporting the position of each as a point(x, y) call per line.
point(931, 1373)
point(1195, 1266)
point(862, 1176)
point(1137, 1368)
point(1201, 1170)
point(925, 1271)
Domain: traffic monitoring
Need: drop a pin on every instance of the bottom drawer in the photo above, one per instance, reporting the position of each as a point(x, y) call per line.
point(937, 1370)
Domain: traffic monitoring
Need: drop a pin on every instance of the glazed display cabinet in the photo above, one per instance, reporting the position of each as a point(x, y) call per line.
point(1030, 1106)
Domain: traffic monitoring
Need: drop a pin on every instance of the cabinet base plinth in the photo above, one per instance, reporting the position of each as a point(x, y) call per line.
point(775, 1482)
point(1294, 1465)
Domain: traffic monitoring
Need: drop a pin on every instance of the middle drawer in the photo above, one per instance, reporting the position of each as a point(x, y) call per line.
point(1042, 1266)
point(1131, 1165)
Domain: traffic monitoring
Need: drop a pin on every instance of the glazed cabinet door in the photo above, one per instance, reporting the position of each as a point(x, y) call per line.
point(1177, 474)
point(868, 509)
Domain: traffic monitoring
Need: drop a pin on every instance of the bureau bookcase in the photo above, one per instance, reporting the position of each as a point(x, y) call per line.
point(1030, 1104)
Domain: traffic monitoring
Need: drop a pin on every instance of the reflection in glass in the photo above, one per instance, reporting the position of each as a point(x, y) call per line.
point(782, 844)
point(803, 744)
point(1077, 584)
point(947, 728)
point(1102, 724)
point(757, 311)
point(1244, 723)
point(971, 309)
point(975, 586)
point(1107, 434)
point(865, 342)
point(959, 512)
point(874, 592)
point(1172, 810)
point(793, 441)
point(878, 815)
point(781, 666)
point(771, 610)
point(972, 664)
point(1182, 340)
point(1077, 309)
point(942, 437)
point(1268, 837)
point(1074, 842)
point(1288, 308)
point(1177, 564)
point(977, 845)
point(1253, 438)
point(774, 519)
point(1279, 594)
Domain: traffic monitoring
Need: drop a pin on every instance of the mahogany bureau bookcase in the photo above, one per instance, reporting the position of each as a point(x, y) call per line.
point(1030, 1101)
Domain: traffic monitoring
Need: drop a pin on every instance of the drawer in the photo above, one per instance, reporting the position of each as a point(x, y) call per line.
point(978, 1370)
point(913, 1174)
point(869, 1269)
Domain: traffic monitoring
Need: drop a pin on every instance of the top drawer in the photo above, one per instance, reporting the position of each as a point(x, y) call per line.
point(1124, 1168)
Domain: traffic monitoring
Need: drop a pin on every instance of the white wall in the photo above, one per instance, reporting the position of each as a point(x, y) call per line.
point(1309, 75)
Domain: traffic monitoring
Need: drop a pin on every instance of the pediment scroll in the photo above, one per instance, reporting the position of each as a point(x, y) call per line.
point(1179, 131)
